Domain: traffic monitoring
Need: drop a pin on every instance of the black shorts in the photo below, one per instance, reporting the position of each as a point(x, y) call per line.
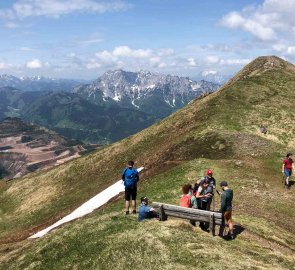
point(130, 192)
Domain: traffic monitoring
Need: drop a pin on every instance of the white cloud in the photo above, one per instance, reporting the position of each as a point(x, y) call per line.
point(272, 20)
point(255, 26)
point(209, 72)
point(234, 62)
point(124, 56)
point(34, 64)
point(92, 41)
point(25, 49)
point(212, 59)
point(57, 8)
point(2, 65)
point(125, 51)
point(291, 50)
point(11, 25)
point(192, 62)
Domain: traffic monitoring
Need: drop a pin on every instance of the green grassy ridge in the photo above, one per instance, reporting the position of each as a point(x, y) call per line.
point(107, 238)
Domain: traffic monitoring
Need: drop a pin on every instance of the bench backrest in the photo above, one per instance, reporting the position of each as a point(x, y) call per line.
point(188, 213)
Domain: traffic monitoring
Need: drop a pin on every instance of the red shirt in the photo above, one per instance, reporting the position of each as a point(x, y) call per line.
point(288, 163)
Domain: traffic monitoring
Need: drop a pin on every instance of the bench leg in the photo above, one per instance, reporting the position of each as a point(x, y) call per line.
point(212, 224)
point(162, 215)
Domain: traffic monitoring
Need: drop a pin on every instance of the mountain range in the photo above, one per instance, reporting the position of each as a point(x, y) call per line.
point(116, 105)
point(38, 83)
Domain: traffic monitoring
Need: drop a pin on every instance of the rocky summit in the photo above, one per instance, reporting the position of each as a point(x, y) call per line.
point(151, 93)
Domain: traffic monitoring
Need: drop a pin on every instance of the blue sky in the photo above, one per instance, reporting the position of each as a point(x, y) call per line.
point(82, 39)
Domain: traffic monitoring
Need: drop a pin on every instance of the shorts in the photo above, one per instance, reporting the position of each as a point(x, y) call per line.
point(288, 173)
point(130, 192)
point(227, 216)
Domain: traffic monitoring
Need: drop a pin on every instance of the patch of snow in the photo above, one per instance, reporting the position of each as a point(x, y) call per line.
point(88, 207)
point(117, 97)
point(134, 104)
point(196, 86)
point(168, 102)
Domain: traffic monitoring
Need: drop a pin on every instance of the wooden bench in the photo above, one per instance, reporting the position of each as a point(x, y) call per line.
point(213, 218)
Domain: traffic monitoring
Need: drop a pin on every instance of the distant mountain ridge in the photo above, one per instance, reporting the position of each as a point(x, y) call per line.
point(145, 91)
point(37, 83)
point(116, 105)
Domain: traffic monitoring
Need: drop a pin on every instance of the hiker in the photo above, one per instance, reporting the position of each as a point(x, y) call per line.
point(212, 182)
point(204, 194)
point(204, 197)
point(130, 177)
point(146, 212)
point(287, 167)
point(226, 206)
point(188, 199)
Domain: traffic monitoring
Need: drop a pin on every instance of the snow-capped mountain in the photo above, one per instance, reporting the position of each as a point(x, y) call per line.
point(37, 83)
point(156, 94)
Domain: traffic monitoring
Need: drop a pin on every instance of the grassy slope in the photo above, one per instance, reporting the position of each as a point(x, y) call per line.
point(107, 239)
point(222, 127)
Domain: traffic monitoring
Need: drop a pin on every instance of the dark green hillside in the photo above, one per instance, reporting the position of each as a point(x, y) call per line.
point(12, 101)
point(220, 131)
point(75, 117)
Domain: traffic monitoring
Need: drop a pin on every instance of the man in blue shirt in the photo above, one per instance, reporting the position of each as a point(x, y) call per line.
point(130, 177)
point(145, 212)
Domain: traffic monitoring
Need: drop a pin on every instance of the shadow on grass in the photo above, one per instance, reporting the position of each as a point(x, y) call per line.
point(291, 182)
point(238, 229)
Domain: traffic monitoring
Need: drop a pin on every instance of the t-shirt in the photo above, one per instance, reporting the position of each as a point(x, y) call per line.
point(205, 191)
point(288, 163)
point(226, 200)
point(144, 212)
point(194, 203)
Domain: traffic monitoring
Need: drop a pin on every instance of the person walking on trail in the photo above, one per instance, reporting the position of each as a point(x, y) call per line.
point(226, 206)
point(130, 177)
point(287, 168)
point(188, 199)
point(146, 212)
point(204, 197)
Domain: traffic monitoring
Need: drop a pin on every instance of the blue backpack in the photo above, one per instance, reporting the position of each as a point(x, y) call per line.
point(130, 177)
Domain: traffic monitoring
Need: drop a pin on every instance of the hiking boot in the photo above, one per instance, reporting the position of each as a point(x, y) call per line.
point(127, 212)
point(134, 212)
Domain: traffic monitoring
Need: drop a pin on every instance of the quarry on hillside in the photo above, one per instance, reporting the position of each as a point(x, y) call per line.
point(26, 148)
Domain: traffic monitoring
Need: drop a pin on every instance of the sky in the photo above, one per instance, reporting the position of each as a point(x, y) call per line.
point(82, 39)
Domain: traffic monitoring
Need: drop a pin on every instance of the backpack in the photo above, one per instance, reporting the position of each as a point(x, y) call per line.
point(185, 200)
point(130, 177)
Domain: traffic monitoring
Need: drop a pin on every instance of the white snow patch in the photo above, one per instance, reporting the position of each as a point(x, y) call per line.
point(117, 97)
point(89, 206)
point(196, 86)
point(168, 102)
point(134, 104)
